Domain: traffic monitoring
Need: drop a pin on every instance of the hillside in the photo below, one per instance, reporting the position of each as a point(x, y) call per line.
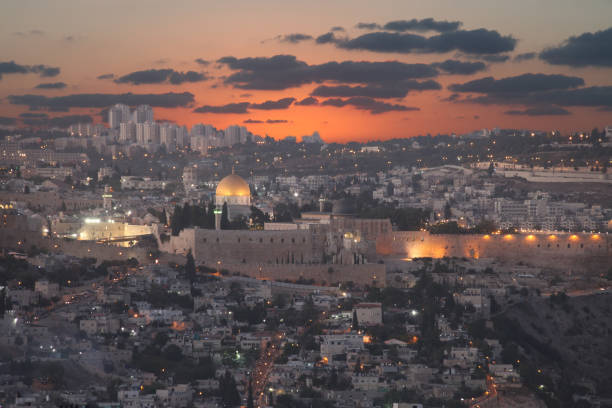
point(563, 345)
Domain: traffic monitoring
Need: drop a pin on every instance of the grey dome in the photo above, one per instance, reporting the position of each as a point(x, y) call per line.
point(344, 206)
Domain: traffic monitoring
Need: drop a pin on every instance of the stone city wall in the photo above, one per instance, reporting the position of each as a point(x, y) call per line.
point(322, 274)
point(582, 252)
point(102, 252)
point(242, 246)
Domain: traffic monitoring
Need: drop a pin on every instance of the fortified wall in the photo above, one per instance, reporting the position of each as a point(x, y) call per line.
point(271, 255)
point(323, 274)
point(210, 247)
point(92, 249)
point(581, 252)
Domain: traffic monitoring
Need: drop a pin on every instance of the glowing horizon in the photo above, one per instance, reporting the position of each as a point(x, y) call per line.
point(86, 41)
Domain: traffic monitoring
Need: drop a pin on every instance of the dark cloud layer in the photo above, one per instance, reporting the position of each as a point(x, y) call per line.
point(285, 71)
point(521, 84)
point(478, 42)
point(594, 96)
point(536, 90)
point(51, 85)
point(59, 121)
point(427, 24)
point(202, 61)
point(526, 56)
point(241, 107)
point(309, 101)
point(159, 76)
point(106, 76)
point(327, 38)
point(540, 111)
point(363, 103)
point(58, 103)
point(11, 67)
point(295, 38)
point(588, 49)
point(5, 121)
point(33, 115)
point(271, 105)
point(268, 121)
point(495, 58)
point(455, 67)
point(30, 33)
point(368, 26)
point(386, 90)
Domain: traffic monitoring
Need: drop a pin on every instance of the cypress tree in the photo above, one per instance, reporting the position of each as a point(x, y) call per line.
point(210, 215)
point(228, 391)
point(187, 220)
point(250, 403)
point(176, 221)
point(190, 268)
point(225, 224)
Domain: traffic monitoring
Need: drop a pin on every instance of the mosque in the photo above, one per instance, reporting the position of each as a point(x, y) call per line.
point(234, 191)
point(339, 246)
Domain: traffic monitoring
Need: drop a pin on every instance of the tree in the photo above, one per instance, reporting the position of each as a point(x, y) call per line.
point(210, 215)
point(161, 339)
point(173, 353)
point(389, 189)
point(176, 221)
point(190, 268)
point(250, 403)
point(186, 218)
point(225, 223)
point(491, 169)
point(228, 391)
point(355, 324)
point(258, 218)
point(485, 227)
point(3, 302)
point(447, 211)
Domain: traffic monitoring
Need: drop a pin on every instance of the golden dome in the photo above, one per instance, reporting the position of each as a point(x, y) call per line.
point(233, 185)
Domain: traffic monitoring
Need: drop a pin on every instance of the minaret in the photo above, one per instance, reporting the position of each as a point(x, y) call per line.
point(217, 211)
point(321, 204)
point(107, 198)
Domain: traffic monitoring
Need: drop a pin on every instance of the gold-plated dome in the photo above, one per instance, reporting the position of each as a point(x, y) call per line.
point(233, 185)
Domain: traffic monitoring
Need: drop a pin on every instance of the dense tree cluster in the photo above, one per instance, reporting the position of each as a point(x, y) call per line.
point(406, 219)
point(192, 216)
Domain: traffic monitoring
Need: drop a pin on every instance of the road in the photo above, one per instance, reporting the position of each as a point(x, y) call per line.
point(583, 292)
point(490, 394)
point(263, 368)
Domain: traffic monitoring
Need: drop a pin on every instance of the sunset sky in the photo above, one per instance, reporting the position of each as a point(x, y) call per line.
point(409, 68)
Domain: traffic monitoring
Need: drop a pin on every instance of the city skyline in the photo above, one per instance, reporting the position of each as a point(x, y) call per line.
point(408, 69)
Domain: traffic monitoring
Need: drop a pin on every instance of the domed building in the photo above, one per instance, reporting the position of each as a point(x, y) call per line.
point(234, 191)
point(343, 208)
